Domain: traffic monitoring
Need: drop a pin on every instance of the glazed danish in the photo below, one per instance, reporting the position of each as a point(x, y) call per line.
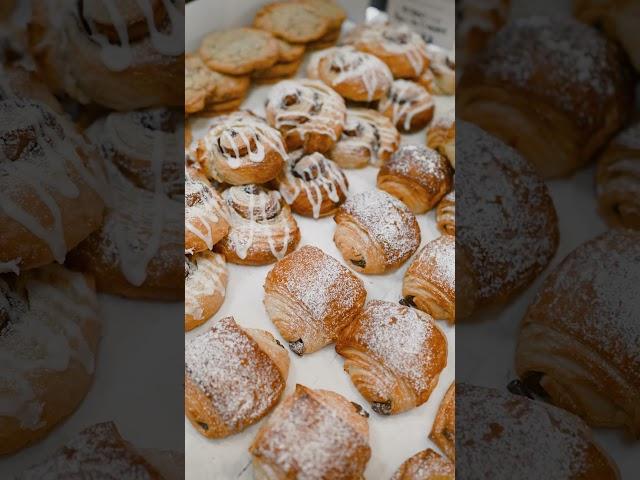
point(313, 185)
point(308, 113)
point(205, 285)
point(441, 74)
point(368, 138)
point(310, 297)
point(443, 431)
point(312, 434)
point(233, 377)
point(408, 104)
point(394, 356)
point(418, 176)
point(587, 361)
point(446, 214)
point(241, 149)
point(49, 333)
point(441, 136)
point(262, 227)
point(618, 179)
point(425, 465)
point(375, 232)
point(430, 281)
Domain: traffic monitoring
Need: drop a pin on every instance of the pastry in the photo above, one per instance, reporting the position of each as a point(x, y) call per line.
point(199, 84)
point(618, 179)
point(476, 24)
point(262, 227)
point(241, 149)
point(355, 75)
point(573, 76)
point(440, 77)
point(51, 186)
point(446, 214)
point(430, 281)
point(100, 451)
point(617, 18)
point(586, 360)
point(313, 185)
point(441, 136)
point(418, 176)
point(490, 214)
point(49, 333)
point(293, 22)
point(309, 114)
point(368, 138)
point(375, 232)
point(396, 45)
point(119, 55)
point(239, 51)
point(205, 285)
point(234, 376)
point(506, 436)
point(408, 105)
point(425, 465)
point(443, 431)
point(310, 297)
point(312, 434)
point(394, 356)
point(206, 220)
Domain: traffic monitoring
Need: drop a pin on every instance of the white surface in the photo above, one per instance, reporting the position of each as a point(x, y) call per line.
point(394, 438)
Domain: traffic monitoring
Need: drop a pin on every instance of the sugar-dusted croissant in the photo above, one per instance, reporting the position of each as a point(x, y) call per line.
point(234, 376)
point(425, 465)
point(585, 359)
point(313, 434)
point(310, 297)
point(430, 281)
point(205, 285)
point(446, 214)
point(394, 355)
point(443, 431)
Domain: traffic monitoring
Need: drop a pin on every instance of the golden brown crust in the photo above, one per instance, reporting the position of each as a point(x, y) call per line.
point(199, 84)
point(443, 431)
point(441, 136)
point(310, 297)
point(446, 214)
point(295, 23)
point(418, 176)
point(205, 285)
point(394, 356)
point(239, 51)
point(425, 465)
point(408, 105)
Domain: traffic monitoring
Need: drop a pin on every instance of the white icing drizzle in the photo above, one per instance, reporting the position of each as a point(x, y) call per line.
point(319, 176)
point(12, 266)
point(207, 279)
point(206, 211)
point(406, 99)
point(370, 130)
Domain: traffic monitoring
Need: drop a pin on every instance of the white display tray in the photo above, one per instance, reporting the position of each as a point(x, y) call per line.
point(393, 439)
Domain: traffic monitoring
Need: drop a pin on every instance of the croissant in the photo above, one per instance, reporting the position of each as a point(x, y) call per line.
point(498, 431)
point(425, 465)
point(205, 284)
point(430, 281)
point(262, 227)
point(561, 109)
point(394, 356)
point(418, 176)
point(586, 361)
point(446, 214)
point(54, 312)
point(441, 136)
point(618, 180)
point(310, 297)
point(312, 184)
point(233, 377)
point(376, 233)
point(443, 431)
point(312, 434)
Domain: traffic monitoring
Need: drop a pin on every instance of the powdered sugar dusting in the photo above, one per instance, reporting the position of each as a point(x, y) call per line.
point(438, 259)
point(424, 165)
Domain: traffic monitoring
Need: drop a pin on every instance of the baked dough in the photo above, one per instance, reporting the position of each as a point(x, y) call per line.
point(205, 285)
point(443, 431)
point(425, 465)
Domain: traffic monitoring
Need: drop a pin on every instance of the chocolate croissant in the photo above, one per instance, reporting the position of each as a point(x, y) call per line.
point(443, 431)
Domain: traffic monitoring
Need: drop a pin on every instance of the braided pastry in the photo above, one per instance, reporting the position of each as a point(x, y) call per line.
point(49, 332)
point(408, 105)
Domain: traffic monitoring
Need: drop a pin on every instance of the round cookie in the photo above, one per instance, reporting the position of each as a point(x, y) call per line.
point(289, 52)
point(199, 83)
point(329, 10)
point(293, 22)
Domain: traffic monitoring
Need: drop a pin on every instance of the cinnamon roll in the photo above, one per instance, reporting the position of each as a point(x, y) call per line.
point(312, 434)
point(446, 214)
point(409, 106)
point(310, 297)
point(441, 136)
point(563, 87)
point(586, 360)
point(241, 149)
point(206, 220)
point(376, 233)
point(120, 55)
point(51, 181)
point(309, 114)
point(262, 227)
point(394, 356)
point(368, 138)
point(430, 281)
point(313, 185)
point(440, 77)
point(443, 431)
point(418, 176)
point(234, 376)
point(49, 332)
point(425, 465)
point(618, 179)
point(205, 285)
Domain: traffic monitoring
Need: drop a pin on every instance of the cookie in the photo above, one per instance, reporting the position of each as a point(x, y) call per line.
point(293, 22)
point(218, 108)
point(329, 10)
point(289, 52)
point(229, 87)
point(279, 70)
point(199, 83)
point(239, 51)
